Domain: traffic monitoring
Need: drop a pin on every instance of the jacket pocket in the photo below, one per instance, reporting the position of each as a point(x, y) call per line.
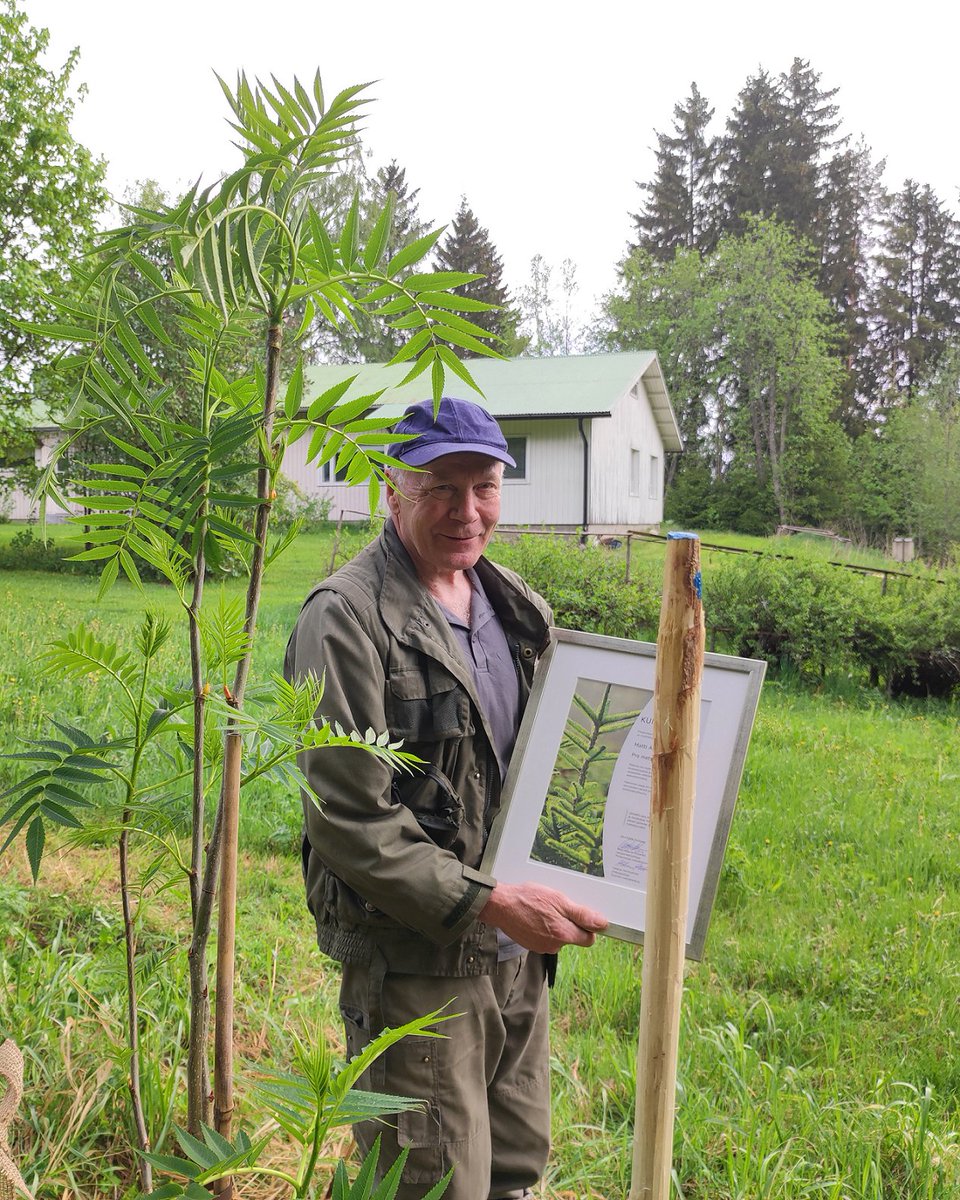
point(427, 705)
point(433, 800)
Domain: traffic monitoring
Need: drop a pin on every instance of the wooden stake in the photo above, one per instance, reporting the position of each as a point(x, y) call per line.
point(676, 730)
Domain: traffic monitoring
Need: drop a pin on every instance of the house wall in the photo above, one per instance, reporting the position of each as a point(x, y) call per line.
point(349, 503)
point(551, 493)
point(619, 496)
point(17, 505)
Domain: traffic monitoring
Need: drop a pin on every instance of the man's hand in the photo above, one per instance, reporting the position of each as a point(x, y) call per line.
point(541, 918)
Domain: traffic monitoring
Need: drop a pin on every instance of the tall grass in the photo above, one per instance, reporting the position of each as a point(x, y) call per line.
point(819, 1049)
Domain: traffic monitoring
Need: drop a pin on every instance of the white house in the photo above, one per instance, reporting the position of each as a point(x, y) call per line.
point(20, 506)
point(588, 432)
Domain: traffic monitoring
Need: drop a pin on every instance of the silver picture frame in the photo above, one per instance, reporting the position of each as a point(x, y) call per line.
point(575, 810)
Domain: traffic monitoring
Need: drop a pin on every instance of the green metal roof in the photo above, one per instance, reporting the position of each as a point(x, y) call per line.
point(571, 386)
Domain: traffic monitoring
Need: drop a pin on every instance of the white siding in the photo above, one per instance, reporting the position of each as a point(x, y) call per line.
point(552, 492)
point(631, 427)
point(19, 505)
point(348, 502)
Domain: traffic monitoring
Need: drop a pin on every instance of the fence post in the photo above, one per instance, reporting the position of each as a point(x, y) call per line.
point(676, 730)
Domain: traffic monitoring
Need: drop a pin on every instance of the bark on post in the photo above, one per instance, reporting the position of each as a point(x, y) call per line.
point(676, 721)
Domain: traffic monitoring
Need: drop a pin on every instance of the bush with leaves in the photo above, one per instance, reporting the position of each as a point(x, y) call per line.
point(292, 506)
point(790, 613)
point(908, 637)
point(27, 552)
point(585, 585)
point(816, 619)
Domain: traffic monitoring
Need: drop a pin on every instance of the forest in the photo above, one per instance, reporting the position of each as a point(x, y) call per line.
point(807, 318)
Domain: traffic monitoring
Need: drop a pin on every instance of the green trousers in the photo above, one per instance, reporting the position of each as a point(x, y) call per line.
point(486, 1084)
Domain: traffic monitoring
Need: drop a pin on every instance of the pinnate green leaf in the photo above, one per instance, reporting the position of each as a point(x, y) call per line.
point(378, 238)
point(36, 836)
point(329, 398)
point(414, 252)
point(439, 281)
point(294, 393)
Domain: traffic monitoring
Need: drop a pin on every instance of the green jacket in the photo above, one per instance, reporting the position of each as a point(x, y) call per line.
point(390, 859)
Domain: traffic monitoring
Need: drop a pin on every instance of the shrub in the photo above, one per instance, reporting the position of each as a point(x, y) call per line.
point(816, 618)
point(293, 504)
point(787, 612)
point(28, 553)
point(584, 585)
point(909, 638)
point(24, 552)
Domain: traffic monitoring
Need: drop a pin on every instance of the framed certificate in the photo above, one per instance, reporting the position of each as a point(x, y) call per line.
point(575, 813)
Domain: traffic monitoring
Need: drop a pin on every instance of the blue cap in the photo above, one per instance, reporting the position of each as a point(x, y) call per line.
point(460, 426)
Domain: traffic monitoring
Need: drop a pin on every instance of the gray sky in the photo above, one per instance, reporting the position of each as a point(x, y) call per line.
point(541, 113)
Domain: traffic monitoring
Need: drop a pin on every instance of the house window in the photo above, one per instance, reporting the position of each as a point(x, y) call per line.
point(517, 449)
point(634, 472)
point(654, 491)
point(327, 474)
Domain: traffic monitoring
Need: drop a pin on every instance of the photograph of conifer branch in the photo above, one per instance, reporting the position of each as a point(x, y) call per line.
point(570, 831)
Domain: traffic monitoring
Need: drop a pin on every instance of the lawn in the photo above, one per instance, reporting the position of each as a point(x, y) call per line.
point(818, 1046)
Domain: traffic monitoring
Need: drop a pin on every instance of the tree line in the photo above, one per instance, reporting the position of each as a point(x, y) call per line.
point(807, 318)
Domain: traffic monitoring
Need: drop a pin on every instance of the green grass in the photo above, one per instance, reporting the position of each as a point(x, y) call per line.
point(818, 1050)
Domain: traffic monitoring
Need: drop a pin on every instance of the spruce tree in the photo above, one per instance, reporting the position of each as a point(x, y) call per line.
point(847, 229)
point(467, 247)
point(779, 140)
point(810, 120)
point(679, 209)
point(407, 223)
point(371, 340)
point(916, 308)
point(749, 150)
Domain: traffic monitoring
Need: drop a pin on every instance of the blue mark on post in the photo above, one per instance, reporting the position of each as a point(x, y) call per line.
point(677, 535)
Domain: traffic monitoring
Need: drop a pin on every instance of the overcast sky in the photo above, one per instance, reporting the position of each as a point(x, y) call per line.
point(542, 114)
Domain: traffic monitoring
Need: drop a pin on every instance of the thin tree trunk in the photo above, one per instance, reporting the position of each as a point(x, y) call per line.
point(226, 942)
point(199, 983)
point(198, 1069)
point(199, 704)
point(133, 1014)
point(230, 794)
point(774, 448)
point(265, 503)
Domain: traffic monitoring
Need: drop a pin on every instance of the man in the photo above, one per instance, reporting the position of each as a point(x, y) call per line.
point(422, 637)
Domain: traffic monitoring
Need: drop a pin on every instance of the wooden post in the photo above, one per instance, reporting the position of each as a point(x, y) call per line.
point(676, 729)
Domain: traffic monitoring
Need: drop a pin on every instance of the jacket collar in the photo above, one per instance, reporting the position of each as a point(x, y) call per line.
point(410, 612)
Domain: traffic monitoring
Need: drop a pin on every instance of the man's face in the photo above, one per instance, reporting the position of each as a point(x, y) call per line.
point(446, 515)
